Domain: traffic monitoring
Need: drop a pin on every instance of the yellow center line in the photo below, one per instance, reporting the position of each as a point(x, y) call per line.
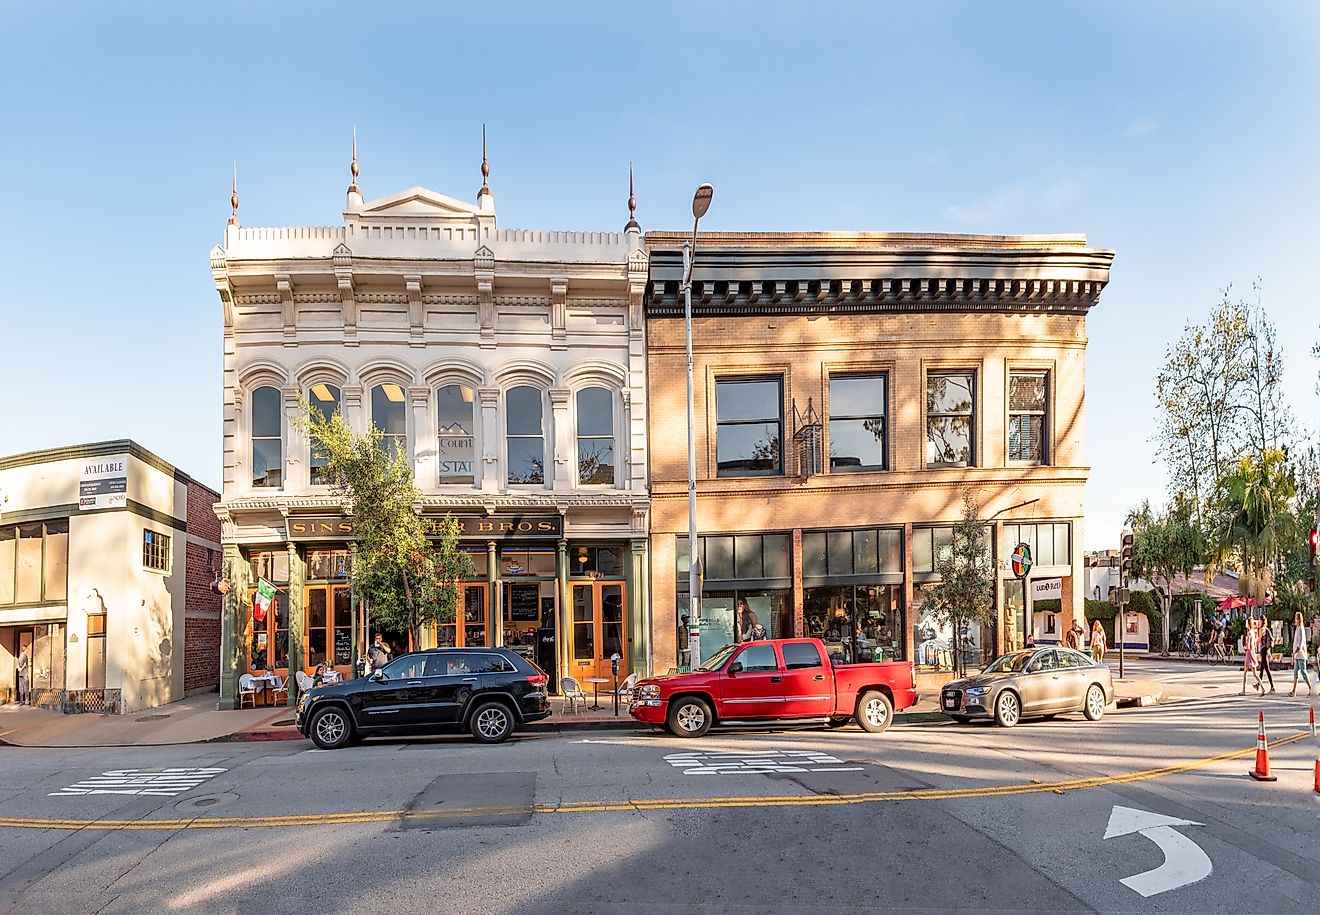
point(347, 818)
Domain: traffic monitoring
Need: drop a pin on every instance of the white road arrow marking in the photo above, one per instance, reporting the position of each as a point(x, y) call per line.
point(1184, 861)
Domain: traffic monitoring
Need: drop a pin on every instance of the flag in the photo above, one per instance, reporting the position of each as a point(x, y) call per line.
point(261, 600)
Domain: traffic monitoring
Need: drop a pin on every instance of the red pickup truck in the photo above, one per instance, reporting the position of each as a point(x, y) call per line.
point(780, 680)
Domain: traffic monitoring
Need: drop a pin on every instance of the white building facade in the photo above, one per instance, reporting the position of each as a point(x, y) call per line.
point(507, 364)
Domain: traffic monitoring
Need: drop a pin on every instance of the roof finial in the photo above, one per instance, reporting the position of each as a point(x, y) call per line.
point(353, 166)
point(632, 203)
point(485, 165)
point(233, 199)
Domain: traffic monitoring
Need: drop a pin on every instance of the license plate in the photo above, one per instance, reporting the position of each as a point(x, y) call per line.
point(950, 702)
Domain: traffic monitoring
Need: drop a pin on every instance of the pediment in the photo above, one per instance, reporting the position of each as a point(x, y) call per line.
point(419, 201)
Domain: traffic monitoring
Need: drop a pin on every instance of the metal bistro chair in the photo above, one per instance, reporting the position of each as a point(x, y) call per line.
point(278, 688)
point(247, 689)
point(305, 681)
point(625, 689)
point(572, 694)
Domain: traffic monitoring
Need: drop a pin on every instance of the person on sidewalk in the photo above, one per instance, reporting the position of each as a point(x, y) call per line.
point(1097, 641)
point(1266, 645)
point(1301, 650)
point(24, 677)
point(1073, 638)
point(1250, 642)
point(378, 653)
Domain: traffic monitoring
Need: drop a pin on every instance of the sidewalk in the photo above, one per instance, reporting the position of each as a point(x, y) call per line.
point(196, 720)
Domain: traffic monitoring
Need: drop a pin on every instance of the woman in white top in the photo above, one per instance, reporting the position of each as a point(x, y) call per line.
point(1301, 648)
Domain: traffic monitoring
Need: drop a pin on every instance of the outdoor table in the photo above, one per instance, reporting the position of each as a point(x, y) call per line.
point(267, 680)
point(595, 691)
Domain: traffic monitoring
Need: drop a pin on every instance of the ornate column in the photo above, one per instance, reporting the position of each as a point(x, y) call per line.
point(562, 448)
point(423, 445)
point(494, 615)
point(296, 469)
point(639, 609)
point(490, 440)
point(297, 621)
point(564, 621)
point(233, 625)
point(352, 407)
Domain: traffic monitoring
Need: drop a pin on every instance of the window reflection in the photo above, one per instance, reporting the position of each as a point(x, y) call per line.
point(525, 435)
point(324, 399)
point(857, 423)
point(949, 415)
point(267, 450)
point(749, 435)
point(595, 431)
point(389, 414)
point(455, 425)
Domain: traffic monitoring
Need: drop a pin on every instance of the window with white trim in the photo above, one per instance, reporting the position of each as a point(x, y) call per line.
point(389, 414)
point(267, 438)
point(1028, 414)
point(595, 436)
point(155, 550)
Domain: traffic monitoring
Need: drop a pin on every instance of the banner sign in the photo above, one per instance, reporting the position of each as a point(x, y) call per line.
point(495, 527)
point(1047, 589)
point(1021, 559)
point(104, 482)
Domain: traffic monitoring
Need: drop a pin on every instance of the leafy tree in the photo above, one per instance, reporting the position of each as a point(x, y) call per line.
point(965, 591)
point(1253, 508)
point(406, 581)
point(1165, 545)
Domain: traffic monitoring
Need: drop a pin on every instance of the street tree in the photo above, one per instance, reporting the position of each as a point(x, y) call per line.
point(965, 591)
point(405, 568)
point(1165, 544)
point(1254, 519)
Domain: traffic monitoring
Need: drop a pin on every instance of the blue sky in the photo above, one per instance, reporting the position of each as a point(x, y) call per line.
point(1182, 135)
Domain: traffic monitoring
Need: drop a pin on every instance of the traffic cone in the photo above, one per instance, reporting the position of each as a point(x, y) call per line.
point(1262, 771)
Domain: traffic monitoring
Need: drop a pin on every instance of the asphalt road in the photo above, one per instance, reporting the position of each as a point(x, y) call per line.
point(923, 818)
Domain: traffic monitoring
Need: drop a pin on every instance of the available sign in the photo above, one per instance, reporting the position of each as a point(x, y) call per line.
point(1047, 589)
point(104, 482)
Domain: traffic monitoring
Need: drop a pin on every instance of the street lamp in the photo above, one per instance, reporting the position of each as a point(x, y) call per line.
point(700, 204)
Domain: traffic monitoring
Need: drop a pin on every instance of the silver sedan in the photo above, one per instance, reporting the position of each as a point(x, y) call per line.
point(1031, 683)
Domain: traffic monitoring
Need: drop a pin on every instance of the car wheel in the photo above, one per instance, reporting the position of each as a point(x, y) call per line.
point(837, 722)
point(689, 717)
point(1094, 709)
point(1008, 710)
point(874, 712)
point(331, 729)
point(491, 722)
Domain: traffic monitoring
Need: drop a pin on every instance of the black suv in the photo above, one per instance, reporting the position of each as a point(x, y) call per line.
point(488, 691)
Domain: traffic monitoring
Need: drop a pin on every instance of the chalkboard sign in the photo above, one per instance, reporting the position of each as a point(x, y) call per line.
point(343, 646)
point(523, 603)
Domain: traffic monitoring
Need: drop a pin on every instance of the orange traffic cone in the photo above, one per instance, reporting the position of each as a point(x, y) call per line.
point(1262, 771)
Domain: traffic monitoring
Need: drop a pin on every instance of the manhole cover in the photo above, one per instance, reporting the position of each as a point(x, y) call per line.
point(285, 722)
point(205, 803)
point(152, 718)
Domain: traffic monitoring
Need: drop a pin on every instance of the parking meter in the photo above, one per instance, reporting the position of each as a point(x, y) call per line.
point(614, 664)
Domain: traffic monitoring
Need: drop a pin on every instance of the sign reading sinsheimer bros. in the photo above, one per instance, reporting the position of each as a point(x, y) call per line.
point(496, 527)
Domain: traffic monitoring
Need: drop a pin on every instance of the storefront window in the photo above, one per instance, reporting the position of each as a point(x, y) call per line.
point(328, 565)
point(389, 414)
point(525, 435)
point(870, 551)
point(585, 560)
point(34, 562)
point(857, 423)
point(530, 561)
point(858, 623)
point(329, 626)
point(595, 436)
point(1050, 541)
point(457, 449)
point(269, 644)
point(267, 437)
point(1027, 417)
point(324, 399)
point(936, 648)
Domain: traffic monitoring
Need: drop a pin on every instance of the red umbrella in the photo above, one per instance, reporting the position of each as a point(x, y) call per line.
point(1232, 603)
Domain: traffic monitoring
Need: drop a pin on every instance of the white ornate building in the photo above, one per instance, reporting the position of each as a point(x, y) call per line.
point(509, 365)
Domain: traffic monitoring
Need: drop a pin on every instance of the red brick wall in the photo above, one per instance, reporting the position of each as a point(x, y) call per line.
point(201, 654)
point(202, 521)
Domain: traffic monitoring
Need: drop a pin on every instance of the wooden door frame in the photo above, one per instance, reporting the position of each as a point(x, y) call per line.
point(598, 666)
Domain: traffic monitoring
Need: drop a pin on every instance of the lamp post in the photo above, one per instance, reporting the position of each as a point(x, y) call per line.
point(700, 204)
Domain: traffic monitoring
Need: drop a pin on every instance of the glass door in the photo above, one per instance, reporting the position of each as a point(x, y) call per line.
point(598, 630)
point(329, 627)
point(475, 630)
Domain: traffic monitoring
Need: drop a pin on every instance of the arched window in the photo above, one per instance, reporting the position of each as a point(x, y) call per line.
point(525, 435)
point(389, 414)
point(595, 436)
point(267, 437)
point(454, 425)
point(324, 399)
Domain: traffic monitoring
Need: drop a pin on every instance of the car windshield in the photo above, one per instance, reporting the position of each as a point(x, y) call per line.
point(1012, 663)
point(716, 661)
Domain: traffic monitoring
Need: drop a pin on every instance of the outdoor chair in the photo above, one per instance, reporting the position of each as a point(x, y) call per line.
point(625, 689)
point(572, 693)
point(278, 688)
point(305, 682)
point(247, 690)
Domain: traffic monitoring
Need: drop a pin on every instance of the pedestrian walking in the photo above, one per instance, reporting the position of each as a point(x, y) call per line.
point(1097, 641)
point(24, 677)
point(1301, 650)
point(1073, 637)
point(1250, 643)
point(1266, 645)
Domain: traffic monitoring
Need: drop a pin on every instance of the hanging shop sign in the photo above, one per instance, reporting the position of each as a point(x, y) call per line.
point(1021, 560)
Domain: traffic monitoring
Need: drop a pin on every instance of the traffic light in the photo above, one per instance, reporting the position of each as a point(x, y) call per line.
point(1125, 555)
point(1315, 534)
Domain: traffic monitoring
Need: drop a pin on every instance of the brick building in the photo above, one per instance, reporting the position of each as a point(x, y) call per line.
point(849, 389)
point(107, 553)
